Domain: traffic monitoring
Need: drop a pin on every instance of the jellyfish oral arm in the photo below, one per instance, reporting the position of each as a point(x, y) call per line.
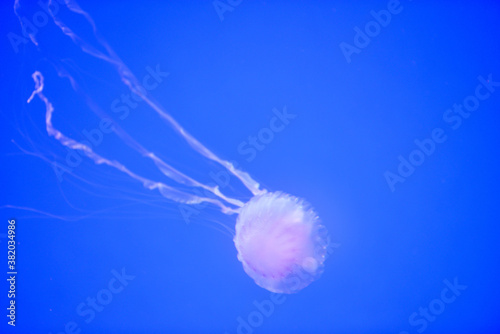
point(133, 84)
point(109, 56)
point(164, 189)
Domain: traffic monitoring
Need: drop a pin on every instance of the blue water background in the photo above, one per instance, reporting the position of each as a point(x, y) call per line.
point(394, 248)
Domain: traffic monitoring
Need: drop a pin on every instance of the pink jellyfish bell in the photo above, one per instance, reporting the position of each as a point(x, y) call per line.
point(280, 242)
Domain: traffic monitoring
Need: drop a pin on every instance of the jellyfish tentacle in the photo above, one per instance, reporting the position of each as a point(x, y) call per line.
point(133, 84)
point(165, 168)
point(164, 189)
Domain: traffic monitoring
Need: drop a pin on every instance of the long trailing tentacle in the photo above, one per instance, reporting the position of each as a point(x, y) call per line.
point(132, 83)
point(165, 190)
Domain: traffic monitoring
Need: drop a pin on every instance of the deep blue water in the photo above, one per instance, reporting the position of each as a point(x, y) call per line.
point(392, 136)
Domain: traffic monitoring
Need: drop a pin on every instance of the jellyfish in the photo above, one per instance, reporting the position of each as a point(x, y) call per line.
point(279, 238)
point(280, 242)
